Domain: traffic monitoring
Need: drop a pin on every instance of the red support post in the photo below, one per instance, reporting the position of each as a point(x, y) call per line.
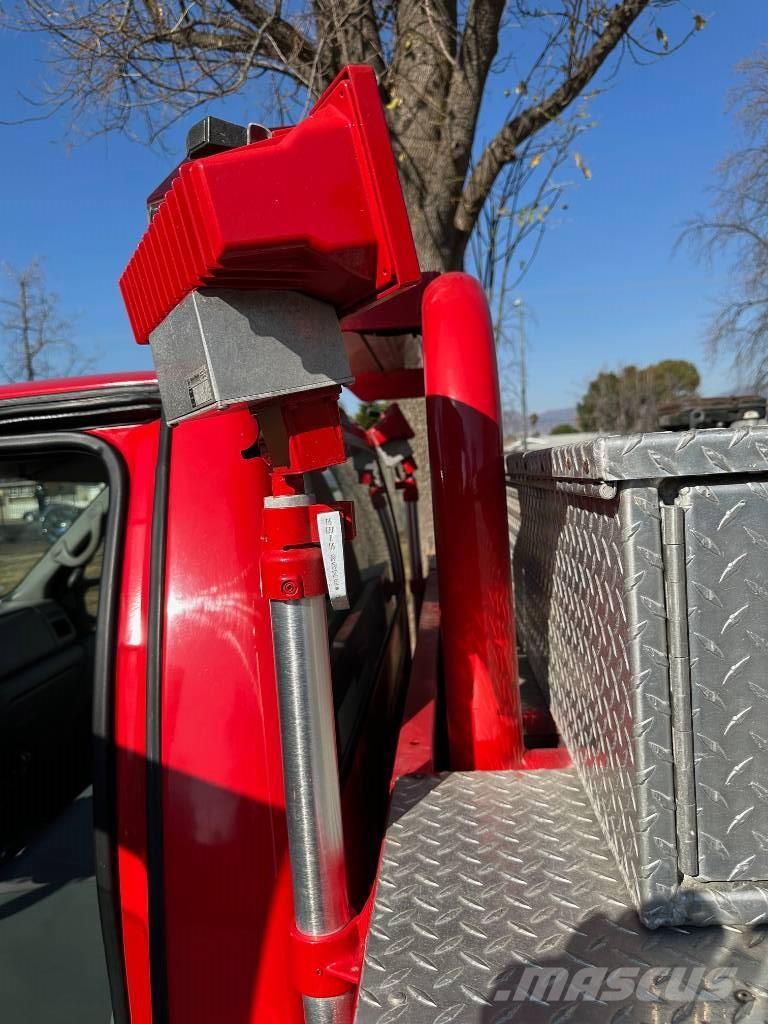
point(471, 532)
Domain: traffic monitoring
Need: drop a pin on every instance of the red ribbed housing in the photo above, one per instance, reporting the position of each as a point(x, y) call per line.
point(316, 209)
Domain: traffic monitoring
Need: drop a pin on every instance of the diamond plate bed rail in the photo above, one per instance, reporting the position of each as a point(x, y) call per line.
point(650, 456)
point(641, 586)
point(497, 901)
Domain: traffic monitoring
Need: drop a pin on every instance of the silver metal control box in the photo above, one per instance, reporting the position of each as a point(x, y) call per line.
point(641, 581)
point(222, 349)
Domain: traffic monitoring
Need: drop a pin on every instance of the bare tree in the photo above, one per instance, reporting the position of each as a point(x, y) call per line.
point(37, 339)
point(139, 65)
point(737, 226)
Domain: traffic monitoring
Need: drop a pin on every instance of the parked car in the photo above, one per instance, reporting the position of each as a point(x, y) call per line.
point(56, 519)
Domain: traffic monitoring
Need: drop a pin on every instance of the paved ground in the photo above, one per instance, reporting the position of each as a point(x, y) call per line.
point(52, 961)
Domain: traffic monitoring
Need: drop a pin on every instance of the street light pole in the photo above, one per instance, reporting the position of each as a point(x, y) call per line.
point(523, 382)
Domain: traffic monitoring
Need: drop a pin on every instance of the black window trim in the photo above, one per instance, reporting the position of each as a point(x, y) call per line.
point(104, 766)
point(158, 965)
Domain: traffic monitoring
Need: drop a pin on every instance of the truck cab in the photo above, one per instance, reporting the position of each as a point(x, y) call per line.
point(142, 796)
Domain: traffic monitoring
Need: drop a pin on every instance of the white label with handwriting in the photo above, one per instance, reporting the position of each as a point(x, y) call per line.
point(330, 529)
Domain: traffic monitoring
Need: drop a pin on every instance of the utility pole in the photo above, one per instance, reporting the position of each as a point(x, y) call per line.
point(518, 303)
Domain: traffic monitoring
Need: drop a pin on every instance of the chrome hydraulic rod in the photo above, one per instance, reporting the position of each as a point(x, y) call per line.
point(311, 777)
point(303, 568)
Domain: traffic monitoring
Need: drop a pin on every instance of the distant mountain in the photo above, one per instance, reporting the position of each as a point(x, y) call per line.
point(547, 419)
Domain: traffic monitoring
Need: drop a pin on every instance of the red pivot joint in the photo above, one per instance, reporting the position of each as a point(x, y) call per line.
point(301, 433)
point(292, 563)
point(409, 488)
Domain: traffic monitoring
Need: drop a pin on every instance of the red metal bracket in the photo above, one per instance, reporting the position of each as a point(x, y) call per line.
point(371, 387)
point(301, 432)
point(377, 491)
point(390, 426)
point(291, 562)
point(329, 966)
point(408, 486)
point(296, 525)
point(391, 314)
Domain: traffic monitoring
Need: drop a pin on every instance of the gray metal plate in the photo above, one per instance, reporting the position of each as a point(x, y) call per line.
point(726, 531)
point(590, 606)
point(650, 456)
point(222, 348)
point(485, 875)
point(605, 628)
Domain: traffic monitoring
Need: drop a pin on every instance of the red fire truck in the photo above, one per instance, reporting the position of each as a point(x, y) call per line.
point(235, 788)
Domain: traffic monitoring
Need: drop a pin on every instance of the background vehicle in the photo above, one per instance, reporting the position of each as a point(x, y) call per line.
point(55, 520)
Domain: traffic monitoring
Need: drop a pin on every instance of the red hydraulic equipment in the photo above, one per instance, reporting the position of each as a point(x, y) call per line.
point(391, 434)
point(302, 561)
point(369, 475)
point(266, 269)
point(238, 284)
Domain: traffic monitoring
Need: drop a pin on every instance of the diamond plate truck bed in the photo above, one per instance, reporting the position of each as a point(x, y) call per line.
point(498, 902)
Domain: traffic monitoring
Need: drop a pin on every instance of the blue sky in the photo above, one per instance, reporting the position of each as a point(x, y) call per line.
point(607, 288)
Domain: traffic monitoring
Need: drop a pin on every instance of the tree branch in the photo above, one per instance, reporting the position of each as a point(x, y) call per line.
point(287, 42)
point(476, 52)
point(347, 33)
point(503, 147)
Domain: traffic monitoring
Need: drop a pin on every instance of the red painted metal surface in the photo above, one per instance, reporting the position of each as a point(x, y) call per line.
point(372, 387)
point(291, 562)
point(228, 900)
point(380, 342)
point(71, 385)
point(546, 759)
point(316, 209)
point(390, 426)
point(471, 531)
point(301, 432)
point(416, 743)
point(138, 447)
point(392, 314)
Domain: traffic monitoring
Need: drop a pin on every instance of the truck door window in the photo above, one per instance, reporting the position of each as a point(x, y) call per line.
point(359, 636)
point(53, 514)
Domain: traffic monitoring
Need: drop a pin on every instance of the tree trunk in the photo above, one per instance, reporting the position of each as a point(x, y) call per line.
point(434, 236)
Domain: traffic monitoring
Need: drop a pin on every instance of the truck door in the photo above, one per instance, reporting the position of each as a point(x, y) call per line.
point(59, 520)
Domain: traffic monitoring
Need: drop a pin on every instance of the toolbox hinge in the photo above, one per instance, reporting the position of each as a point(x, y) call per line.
point(673, 537)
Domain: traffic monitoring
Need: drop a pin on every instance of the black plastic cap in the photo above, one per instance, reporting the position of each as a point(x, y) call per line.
point(212, 135)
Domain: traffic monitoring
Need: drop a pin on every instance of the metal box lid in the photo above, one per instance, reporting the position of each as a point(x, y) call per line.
point(649, 456)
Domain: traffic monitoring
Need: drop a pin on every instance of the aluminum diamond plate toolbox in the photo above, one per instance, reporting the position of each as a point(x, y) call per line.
point(498, 902)
point(641, 583)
